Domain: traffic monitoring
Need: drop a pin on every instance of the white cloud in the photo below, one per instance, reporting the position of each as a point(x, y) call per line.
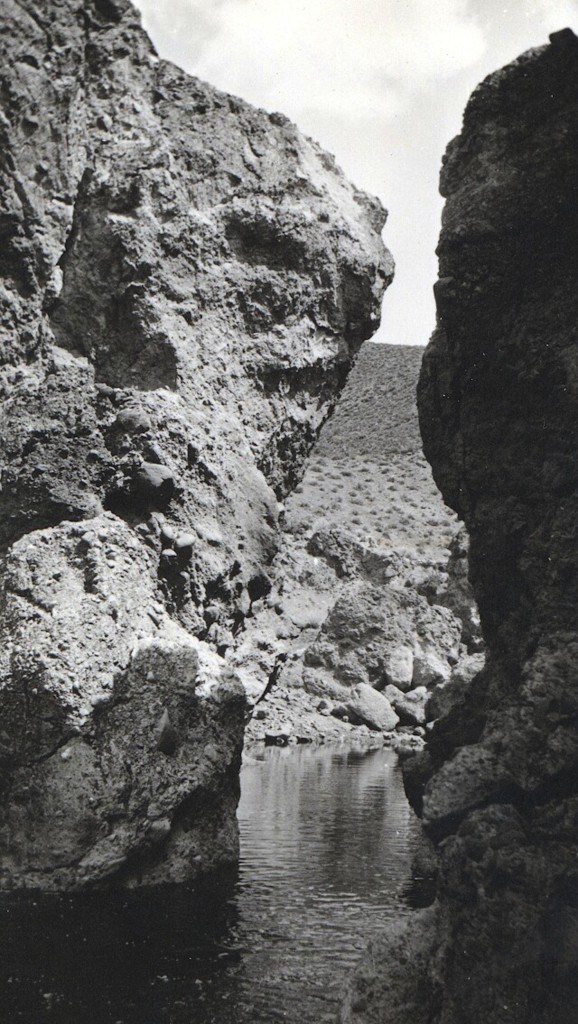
point(182, 28)
point(350, 58)
point(381, 83)
point(555, 14)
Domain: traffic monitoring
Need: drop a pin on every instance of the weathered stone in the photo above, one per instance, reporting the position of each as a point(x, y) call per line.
point(167, 735)
point(133, 419)
point(116, 695)
point(429, 669)
point(185, 542)
point(371, 708)
point(411, 706)
point(499, 415)
point(185, 284)
point(447, 696)
point(417, 771)
point(155, 484)
point(383, 989)
point(458, 595)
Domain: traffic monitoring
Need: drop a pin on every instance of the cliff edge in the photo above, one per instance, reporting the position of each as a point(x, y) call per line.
point(184, 283)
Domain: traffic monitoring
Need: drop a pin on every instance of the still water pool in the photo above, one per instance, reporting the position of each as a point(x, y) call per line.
point(326, 844)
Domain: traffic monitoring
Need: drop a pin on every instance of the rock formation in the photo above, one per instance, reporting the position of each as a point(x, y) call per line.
point(499, 415)
point(185, 281)
point(368, 588)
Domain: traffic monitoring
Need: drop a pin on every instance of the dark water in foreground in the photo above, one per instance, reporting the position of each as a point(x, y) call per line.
point(327, 839)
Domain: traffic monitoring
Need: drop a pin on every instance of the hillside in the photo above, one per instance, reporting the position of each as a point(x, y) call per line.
point(367, 474)
point(361, 590)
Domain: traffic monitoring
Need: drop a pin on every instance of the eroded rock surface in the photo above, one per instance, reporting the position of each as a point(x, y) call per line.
point(185, 281)
point(499, 414)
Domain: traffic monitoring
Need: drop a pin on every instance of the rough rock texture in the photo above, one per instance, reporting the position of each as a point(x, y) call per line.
point(370, 707)
point(184, 282)
point(369, 587)
point(499, 415)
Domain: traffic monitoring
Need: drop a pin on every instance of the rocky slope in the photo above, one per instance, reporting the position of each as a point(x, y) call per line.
point(369, 613)
point(184, 282)
point(499, 416)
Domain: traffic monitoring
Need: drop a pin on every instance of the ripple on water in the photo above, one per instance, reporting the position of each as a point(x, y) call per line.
point(327, 838)
point(326, 844)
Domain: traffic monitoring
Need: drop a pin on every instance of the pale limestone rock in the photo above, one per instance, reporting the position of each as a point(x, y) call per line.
point(399, 667)
point(185, 283)
point(371, 708)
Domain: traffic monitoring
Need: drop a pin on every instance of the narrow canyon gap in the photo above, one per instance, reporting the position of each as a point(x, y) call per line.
point(185, 283)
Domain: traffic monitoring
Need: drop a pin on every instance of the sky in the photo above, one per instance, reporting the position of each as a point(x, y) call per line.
point(381, 84)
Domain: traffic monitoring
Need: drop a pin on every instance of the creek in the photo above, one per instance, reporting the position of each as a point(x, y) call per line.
point(327, 839)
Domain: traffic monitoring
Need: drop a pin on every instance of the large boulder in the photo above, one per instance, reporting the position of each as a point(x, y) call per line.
point(185, 281)
point(410, 706)
point(121, 734)
point(371, 708)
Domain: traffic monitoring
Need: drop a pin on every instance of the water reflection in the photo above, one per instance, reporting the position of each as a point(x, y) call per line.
point(327, 844)
point(327, 839)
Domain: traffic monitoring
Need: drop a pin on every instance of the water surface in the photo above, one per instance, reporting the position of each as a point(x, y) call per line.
point(326, 843)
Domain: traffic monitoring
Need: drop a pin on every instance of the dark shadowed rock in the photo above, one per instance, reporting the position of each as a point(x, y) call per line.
point(499, 417)
point(392, 992)
point(455, 691)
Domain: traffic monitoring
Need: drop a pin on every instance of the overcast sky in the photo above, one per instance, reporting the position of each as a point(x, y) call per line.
point(380, 83)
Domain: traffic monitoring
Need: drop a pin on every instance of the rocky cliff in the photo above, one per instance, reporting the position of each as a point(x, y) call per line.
point(185, 281)
point(499, 416)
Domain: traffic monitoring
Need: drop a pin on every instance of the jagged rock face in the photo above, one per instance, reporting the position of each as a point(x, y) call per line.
point(185, 281)
point(120, 732)
point(498, 414)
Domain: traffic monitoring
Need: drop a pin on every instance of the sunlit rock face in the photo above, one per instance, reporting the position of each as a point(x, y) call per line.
point(499, 418)
point(185, 281)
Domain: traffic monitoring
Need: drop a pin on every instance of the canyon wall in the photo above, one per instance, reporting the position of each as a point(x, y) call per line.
point(499, 417)
point(185, 281)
